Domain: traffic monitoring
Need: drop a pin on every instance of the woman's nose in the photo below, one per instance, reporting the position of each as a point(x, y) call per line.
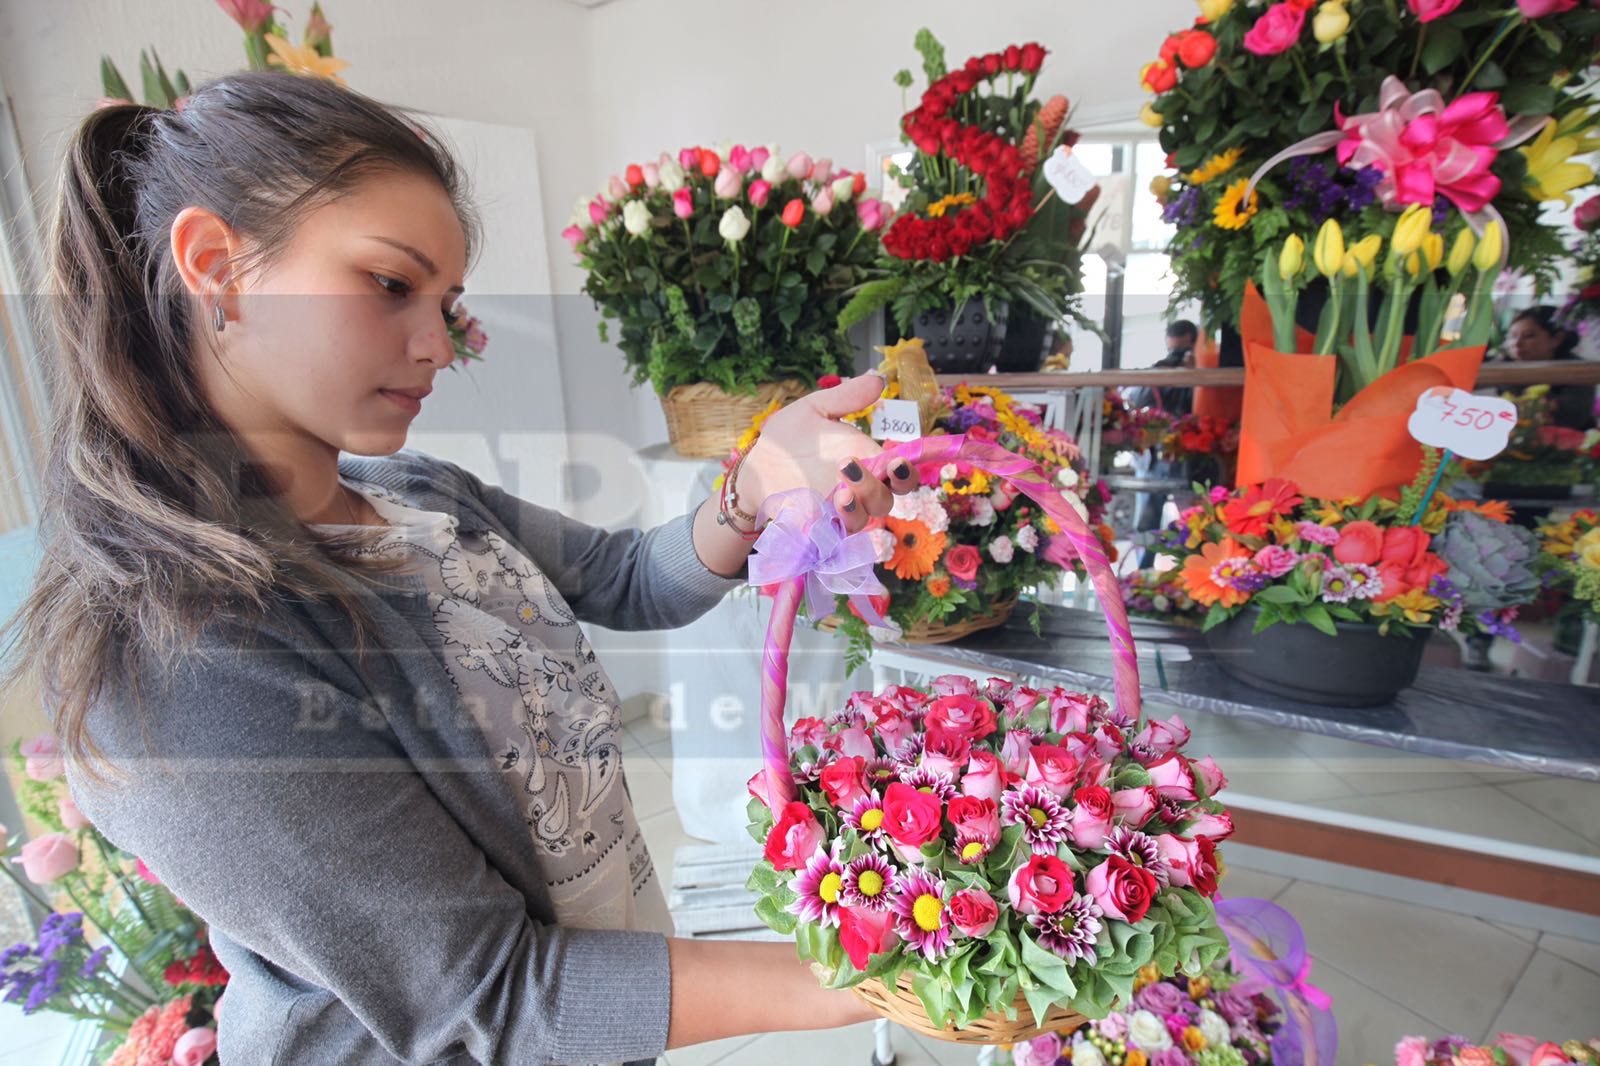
point(433, 345)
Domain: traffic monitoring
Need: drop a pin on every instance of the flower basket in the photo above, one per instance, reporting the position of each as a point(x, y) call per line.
point(704, 421)
point(885, 855)
point(937, 632)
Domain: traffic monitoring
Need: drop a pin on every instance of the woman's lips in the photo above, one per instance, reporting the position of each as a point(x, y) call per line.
point(405, 401)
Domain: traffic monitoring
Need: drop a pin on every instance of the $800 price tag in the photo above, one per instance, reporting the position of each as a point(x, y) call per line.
point(1473, 427)
point(896, 420)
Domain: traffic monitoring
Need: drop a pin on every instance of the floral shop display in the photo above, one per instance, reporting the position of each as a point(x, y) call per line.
point(1570, 563)
point(983, 259)
point(1542, 458)
point(1332, 601)
point(983, 862)
point(1478, 104)
point(723, 273)
point(1161, 595)
point(1581, 312)
point(149, 979)
point(1506, 1049)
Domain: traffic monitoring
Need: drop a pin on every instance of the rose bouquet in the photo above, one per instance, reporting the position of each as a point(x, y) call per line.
point(1571, 559)
point(1160, 594)
point(1539, 452)
point(1507, 1049)
point(1220, 1018)
point(1479, 103)
point(1137, 429)
point(1197, 436)
point(988, 844)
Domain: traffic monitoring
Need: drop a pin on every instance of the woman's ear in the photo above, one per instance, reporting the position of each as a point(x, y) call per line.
point(203, 247)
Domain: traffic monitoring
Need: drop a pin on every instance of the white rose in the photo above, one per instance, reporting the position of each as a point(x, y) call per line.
point(1147, 1032)
point(1214, 1028)
point(774, 170)
point(672, 176)
point(1001, 549)
point(844, 188)
point(948, 472)
point(1067, 476)
point(1086, 1054)
point(1161, 603)
point(1027, 538)
point(734, 225)
point(636, 218)
point(1077, 504)
point(982, 512)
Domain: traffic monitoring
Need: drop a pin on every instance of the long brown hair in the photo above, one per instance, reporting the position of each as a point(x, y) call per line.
point(154, 518)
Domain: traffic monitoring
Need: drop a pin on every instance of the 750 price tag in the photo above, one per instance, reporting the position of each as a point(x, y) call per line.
point(1473, 427)
point(896, 420)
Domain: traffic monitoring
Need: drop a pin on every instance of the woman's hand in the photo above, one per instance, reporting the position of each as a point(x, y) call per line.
point(804, 446)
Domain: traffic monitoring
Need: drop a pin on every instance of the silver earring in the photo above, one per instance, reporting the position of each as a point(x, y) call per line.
point(218, 319)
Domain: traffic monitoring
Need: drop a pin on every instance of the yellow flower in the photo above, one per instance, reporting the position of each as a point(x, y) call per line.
point(1161, 187)
point(960, 199)
point(1415, 606)
point(299, 59)
point(1433, 250)
point(1461, 251)
point(1328, 252)
point(1588, 553)
point(1330, 22)
point(1551, 173)
point(975, 485)
point(1411, 230)
point(1150, 116)
point(1232, 211)
point(1292, 257)
point(1486, 256)
point(1212, 10)
point(1214, 167)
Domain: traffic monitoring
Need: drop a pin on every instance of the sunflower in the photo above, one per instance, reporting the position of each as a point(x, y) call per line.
point(962, 199)
point(975, 483)
point(916, 548)
point(1214, 167)
point(1232, 211)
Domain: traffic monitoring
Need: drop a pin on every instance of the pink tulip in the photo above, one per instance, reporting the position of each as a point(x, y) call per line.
point(822, 171)
point(871, 215)
point(683, 203)
point(689, 159)
point(616, 189)
point(739, 158)
point(194, 1047)
point(1538, 9)
point(71, 817)
point(599, 211)
point(48, 857)
point(758, 158)
point(728, 184)
point(822, 203)
point(251, 15)
point(44, 758)
point(652, 175)
point(760, 190)
point(1428, 10)
point(799, 165)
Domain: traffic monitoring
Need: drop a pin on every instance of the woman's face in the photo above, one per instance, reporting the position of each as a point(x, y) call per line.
point(339, 337)
point(1528, 340)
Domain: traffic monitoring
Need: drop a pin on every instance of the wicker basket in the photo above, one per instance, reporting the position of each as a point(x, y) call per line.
point(704, 422)
point(904, 1008)
point(941, 632)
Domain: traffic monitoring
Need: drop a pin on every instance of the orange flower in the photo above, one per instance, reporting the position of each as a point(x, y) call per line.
point(1198, 571)
point(916, 548)
point(939, 586)
point(1499, 510)
point(1135, 1057)
point(1250, 513)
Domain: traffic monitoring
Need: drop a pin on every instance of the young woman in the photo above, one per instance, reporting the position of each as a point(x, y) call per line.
point(342, 706)
point(1537, 334)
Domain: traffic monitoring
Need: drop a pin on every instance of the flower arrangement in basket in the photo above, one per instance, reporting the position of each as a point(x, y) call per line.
point(1480, 103)
point(162, 1000)
point(981, 863)
point(723, 273)
point(1160, 594)
point(1540, 453)
point(1571, 559)
point(1506, 1049)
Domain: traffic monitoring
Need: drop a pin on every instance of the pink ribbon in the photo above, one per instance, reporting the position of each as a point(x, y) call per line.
point(1313, 995)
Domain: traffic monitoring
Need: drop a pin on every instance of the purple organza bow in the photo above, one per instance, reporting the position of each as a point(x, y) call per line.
point(1269, 946)
point(807, 537)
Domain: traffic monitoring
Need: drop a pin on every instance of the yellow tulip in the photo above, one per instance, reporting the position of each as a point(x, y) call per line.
point(1433, 250)
point(1414, 264)
point(1461, 251)
point(1150, 116)
point(1212, 10)
point(1329, 251)
point(1331, 22)
point(1350, 265)
point(1490, 246)
point(1292, 258)
point(1366, 250)
point(1411, 230)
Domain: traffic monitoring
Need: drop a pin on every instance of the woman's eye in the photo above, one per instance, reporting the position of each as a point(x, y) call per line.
point(451, 316)
point(393, 286)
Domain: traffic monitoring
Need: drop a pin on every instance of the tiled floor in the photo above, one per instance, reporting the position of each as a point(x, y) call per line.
point(1392, 968)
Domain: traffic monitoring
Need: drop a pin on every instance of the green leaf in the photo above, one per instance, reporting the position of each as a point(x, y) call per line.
point(1318, 616)
point(1048, 967)
point(774, 916)
point(763, 879)
point(1215, 617)
point(1442, 48)
point(1280, 594)
point(1040, 999)
point(934, 995)
point(1528, 98)
point(111, 80)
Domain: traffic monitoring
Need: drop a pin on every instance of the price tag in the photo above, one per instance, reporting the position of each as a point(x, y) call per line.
point(896, 420)
point(1067, 175)
point(1473, 427)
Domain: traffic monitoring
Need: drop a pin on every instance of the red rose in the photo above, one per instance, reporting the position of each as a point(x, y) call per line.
point(962, 562)
point(1122, 889)
point(794, 838)
point(1158, 76)
point(973, 912)
point(961, 713)
point(945, 751)
point(864, 933)
point(911, 818)
point(879, 604)
point(1359, 542)
point(1170, 46)
point(1405, 563)
point(976, 816)
point(1042, 885)
point(1032, 58)
point(1197, 48)
point(844, 781)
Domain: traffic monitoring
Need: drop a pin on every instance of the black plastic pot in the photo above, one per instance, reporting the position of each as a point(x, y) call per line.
point(1029, 338)
point(965, 343)
point(1358, 668)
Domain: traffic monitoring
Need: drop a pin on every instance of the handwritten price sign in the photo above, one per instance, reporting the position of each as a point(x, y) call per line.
point(896, 420)
point(1474, 427)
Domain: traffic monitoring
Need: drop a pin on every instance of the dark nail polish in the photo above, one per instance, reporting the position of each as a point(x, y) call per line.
point(852, 470)
point(851, 506)
point(902, 471)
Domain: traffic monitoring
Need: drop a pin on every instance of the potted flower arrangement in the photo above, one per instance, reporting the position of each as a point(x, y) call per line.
point(1331, 601)
point(1161, 595)
point(159, 1004)
point(1541, 459)
point(1506, 1049)
point(1571, 566)
point(1500, 90)
point(724, 273)
point(992, 849)
point(983, 260)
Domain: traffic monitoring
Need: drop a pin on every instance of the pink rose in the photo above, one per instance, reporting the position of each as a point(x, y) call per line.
point(911, 818)
point(893, 728)
point(1014, 752)
point(1161, 737)
point(1191, 861)
point(48, 857)
point(1003, 497)
point(850, 743)
point(1277, 30)
point(1211, 776)
point(1042, 1050)
point(945, 752)
point(194, 1047)
point(1588, 214)
point(599, 211)
point(1042, 885)
point(1122, 889)
point(683, 203)
point(44, 758)
point(760, 192)
point(962, 561)
point(973, 912)
point(997, 689)
point(1108, 741)
point(71, 817)
point(871, 214)
point(864, 933)
point(573, 235)
point(844, 781)
point(1428, 10)
point(810, 732)
point(985, 777)
point(954, 685)
point(975, 818)
point(728, 184)
point(651, 173)
point(1172, 778)
point(1091, 817)
point(1134, 805)
point(1411, 1051)
point(799, 165)
point(1218, 827)
point(1069, 711)
point(1526, 1051)
point(1538, 9)
point(794, 838)
point(1275, 560)
point(1052, 769)
point(965, 714)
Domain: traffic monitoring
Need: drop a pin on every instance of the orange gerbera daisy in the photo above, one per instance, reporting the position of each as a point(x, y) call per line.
point(916, 548)
point(1251, 512)
point(1199, 573)
point(939, 587)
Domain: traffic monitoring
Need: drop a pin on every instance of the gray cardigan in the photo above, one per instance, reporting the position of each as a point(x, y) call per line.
point(369, 883)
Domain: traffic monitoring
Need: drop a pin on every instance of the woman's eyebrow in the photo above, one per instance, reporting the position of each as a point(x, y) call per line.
point(422, 260)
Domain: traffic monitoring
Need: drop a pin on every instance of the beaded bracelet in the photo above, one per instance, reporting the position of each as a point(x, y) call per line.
point(728, 506)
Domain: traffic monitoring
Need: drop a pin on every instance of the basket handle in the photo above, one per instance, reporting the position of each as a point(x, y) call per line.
point(1022, 474)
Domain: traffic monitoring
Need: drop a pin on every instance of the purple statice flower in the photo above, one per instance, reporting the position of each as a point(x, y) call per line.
point(1239, 572)
point(1499, 625)
point(1073, 931)
point(1186, 208)
point(46, 983)
point(94, 961)
point(1441, 211)
point(921, 918)
point(963, 584)
point(962, 419)
point(868, 882)
point(15, 952)
point(1140, 849)
point(1362, 189)
point(933, 782)
point(1045, 822)
point(57, 931)
point(818, 886)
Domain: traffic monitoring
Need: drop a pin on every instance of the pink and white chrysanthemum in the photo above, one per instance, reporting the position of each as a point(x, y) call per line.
point(932, 782)
point(1073, 931)
point(881, 772)
point(819, 885)
point(921, 918)
point(866, 817)
point(847, 716)
point(909, 753)
point(1140, 849)
point(868, 882)
point(1045, 822)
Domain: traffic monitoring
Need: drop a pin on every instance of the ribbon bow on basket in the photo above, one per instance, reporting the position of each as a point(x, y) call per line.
point(1270, 948)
